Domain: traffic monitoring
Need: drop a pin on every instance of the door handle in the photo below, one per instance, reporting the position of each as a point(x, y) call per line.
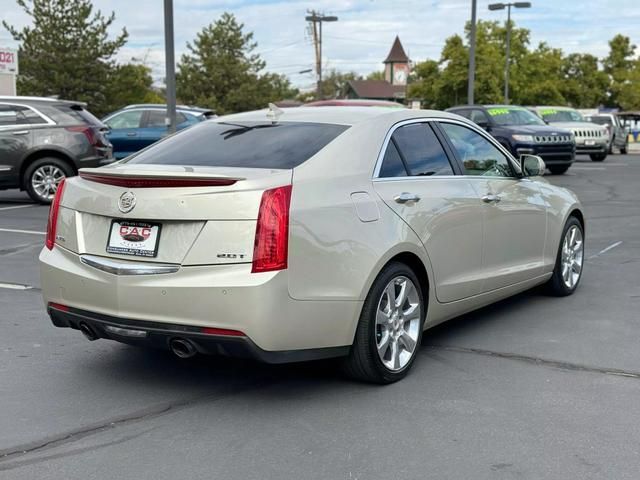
point(21, 132)
point(131, 134)
point(491, 198)
point(406, 197)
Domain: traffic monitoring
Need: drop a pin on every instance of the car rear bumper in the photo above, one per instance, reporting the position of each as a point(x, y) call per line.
point(214, 296)
point(160, 334)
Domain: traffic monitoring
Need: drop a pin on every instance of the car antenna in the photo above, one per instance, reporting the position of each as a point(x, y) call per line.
point(274, 113)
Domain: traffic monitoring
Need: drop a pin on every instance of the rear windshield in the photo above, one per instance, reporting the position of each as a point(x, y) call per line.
point(68, 114)
point(243, 144)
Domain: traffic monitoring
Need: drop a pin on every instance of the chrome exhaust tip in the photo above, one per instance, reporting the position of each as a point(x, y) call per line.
point(182, 348)
point(88, 332)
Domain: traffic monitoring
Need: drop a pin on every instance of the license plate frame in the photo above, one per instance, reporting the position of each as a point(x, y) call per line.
point(118, 245)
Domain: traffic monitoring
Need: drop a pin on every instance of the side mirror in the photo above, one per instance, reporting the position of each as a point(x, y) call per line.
point(484, 125)
point(532, 165)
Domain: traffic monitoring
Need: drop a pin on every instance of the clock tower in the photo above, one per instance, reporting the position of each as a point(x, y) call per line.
point(396, 66)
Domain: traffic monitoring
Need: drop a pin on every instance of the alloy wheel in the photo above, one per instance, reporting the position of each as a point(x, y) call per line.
point(572, 256)
point(398, 323)
point(45, 181)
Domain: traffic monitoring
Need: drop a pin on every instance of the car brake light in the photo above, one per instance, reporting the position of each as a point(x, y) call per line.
point(52, 223)
point(156, 182)
point(272, 231)
point(87, 131)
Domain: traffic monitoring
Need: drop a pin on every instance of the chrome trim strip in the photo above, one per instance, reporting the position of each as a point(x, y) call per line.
point(121, 267)
point(468, 124)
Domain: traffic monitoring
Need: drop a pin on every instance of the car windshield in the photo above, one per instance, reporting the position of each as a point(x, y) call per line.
point(242, 144)
point(600, 120)
point(552, 115)
point(505, 116)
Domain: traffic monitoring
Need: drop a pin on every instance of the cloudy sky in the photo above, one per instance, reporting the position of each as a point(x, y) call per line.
point(361, 38)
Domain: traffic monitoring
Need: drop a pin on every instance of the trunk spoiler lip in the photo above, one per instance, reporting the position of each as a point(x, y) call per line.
point(156, 179)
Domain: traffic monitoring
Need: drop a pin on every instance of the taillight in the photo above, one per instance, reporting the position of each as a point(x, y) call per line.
point(52, 223)
point(272, 231)
point(93, 134)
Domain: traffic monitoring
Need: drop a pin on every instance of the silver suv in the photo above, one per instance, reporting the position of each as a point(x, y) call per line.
point(43, 140)
point(617, 133)
point(591, 139)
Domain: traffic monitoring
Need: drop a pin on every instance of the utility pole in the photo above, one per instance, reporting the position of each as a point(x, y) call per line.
point(472, 54)
point(502, 6)
point(316, 19)
point(170, 66)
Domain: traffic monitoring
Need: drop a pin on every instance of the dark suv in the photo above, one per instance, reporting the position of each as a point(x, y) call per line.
point(43, 140)
point(522, 132)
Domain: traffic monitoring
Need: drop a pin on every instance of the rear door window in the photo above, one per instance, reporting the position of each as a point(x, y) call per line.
point(281, 145)
point(421, 150)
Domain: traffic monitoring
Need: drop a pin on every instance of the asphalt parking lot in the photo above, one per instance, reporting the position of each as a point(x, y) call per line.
point(533, 387)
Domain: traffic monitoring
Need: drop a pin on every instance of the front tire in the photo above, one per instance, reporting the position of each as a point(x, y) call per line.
point(598, 157)
point(569, 260)
point(389, 332)
point(42, 177)
point(558, 169)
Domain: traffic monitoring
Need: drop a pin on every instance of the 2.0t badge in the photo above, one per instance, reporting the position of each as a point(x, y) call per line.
point(127, 202)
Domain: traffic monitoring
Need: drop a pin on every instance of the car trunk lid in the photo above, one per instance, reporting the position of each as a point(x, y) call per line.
point(168, 214)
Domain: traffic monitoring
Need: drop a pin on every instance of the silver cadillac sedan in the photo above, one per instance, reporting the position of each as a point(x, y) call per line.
point(307, 233)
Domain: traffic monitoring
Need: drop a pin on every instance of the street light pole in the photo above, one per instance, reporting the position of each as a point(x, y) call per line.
point(502, 6)
point(508, 53)
point(170, 66)
point(472, 54)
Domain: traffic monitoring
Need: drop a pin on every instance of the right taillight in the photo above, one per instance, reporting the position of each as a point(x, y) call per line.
point(52, 223)
point(272, 231)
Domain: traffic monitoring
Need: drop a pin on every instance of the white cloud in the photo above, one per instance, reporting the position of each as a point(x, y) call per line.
point(361, 38)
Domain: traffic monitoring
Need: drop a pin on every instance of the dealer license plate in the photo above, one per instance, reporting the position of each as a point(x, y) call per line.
point(133, 238)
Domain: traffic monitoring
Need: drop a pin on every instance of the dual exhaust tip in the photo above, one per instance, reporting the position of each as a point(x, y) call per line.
point(180, 347)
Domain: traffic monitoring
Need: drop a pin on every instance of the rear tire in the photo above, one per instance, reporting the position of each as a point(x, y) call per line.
point(42, 177)
point(567, 272)
point(623, 150)
point(389, 332)
point(558, 169)
point(598, 157)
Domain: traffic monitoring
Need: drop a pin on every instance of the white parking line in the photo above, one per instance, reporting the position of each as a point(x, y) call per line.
point(17, 206)
point(13, 230)
point(15, 286)
point(605, 250)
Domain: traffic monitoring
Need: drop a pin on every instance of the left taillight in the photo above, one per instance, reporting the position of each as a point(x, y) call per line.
point(52, 223)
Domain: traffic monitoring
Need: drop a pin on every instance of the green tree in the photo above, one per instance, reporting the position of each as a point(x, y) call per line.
point(378, 75)
point(424, 83)
point(335, 84)
point(131, 83)
point(66, 51)
point(222, 72)
point(622, 68)
point(583, 84)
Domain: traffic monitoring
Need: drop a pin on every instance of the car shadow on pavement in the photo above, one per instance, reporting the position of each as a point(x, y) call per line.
point(160, 369)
